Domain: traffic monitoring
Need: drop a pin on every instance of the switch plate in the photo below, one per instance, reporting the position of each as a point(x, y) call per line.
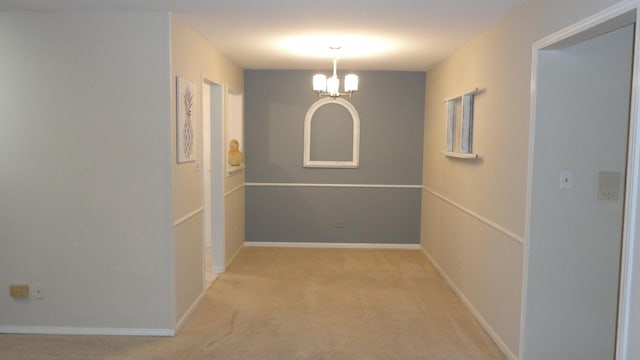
point(609, 185)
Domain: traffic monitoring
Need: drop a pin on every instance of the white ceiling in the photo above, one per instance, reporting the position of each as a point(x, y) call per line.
point(297, 34)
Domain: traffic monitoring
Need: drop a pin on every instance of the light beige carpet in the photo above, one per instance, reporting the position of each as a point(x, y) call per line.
point(276, 303)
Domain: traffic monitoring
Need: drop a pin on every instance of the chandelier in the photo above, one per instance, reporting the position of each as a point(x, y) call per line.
point(331, 86)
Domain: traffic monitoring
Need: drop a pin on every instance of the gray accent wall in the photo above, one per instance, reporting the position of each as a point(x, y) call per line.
point(331, 134)
point(391, 110)
point(335, 215)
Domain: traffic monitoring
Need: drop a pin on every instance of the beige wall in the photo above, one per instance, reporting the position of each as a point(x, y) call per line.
point(234, 215)
point(191, 58)
point(474, 211)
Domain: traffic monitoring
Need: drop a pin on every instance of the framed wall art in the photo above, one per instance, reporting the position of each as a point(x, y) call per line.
point(459, 133)
point(185, 121)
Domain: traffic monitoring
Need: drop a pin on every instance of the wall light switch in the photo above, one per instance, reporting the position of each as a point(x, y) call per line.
point(609, 185)
point(565, 179)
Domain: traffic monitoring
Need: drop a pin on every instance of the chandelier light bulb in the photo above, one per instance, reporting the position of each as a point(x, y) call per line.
point(351, 83)
point(333, 85)
point(319, 83)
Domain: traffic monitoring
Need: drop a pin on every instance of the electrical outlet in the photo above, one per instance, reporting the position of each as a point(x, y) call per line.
point(37, 291)
point(339, 225)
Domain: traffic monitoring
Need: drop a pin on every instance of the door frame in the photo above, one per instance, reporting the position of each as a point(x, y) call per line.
point(214, 214)
point(612, 18)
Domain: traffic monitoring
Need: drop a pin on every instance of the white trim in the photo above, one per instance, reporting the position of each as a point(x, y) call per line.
point(589, 27)
point(529, 197)
point(218, 128)
point(492, 224)
point(380, 186)
point(233, 257)
point(218, 269)
point(233, 190)
point(470, 92)
point(492, 333)
point(332, 245)
point(189, 312)
point(628, 275)
point(205, 159)
point(188, 216)
point(57, 330)
point(460, 155)
point(170, 230)
point(355, 154)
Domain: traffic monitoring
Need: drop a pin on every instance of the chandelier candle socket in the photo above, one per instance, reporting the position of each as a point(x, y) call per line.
point(331, 86)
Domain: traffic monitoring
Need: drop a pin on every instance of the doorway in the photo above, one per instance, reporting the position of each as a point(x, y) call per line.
point(577, 190)
point(213, 180)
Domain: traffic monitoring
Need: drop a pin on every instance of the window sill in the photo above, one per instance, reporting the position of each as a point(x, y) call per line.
point(459, 155)
point(235, 169)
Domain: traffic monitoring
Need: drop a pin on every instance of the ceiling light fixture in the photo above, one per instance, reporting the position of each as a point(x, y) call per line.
point(331, 86)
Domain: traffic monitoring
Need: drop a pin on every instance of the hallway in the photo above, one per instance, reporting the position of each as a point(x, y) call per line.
point(292, 303)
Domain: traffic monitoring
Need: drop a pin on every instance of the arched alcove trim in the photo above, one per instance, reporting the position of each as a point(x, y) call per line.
point(355, 158)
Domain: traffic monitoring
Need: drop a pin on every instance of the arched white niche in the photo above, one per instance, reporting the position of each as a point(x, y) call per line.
point(355, 157)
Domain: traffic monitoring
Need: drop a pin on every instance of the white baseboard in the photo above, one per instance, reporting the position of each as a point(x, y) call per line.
point(233, 257)
point(220, 270)
point(332, 245)
point(487, 327)
point(190, 311)
point(57, 330)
